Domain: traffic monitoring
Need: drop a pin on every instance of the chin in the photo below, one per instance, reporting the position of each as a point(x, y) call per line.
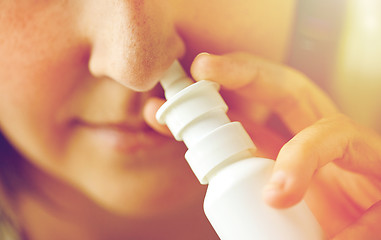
point(148, 195)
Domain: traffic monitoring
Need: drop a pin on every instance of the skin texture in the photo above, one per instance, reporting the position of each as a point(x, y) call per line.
point(78, 99)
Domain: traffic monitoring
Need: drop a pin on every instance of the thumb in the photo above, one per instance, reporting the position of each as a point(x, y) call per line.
point(303, 155)
point(366, 227)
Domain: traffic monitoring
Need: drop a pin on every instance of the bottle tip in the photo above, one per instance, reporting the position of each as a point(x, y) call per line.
point(175, 79)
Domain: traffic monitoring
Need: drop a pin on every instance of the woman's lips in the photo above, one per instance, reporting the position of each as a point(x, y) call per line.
point(126, 147)
point(125, 138)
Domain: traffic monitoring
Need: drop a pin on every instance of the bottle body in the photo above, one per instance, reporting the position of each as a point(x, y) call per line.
point(235, 207)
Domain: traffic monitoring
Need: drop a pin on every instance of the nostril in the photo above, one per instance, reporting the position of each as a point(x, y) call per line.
point(131, 67)
point(134, 43)
point(97, 66)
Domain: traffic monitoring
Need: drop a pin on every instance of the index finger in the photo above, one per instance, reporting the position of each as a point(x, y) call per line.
point(290, 94)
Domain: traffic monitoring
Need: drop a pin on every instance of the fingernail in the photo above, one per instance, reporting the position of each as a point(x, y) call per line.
point(203, 54)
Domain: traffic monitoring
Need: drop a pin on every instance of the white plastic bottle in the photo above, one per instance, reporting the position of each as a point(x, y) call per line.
point(220, 154)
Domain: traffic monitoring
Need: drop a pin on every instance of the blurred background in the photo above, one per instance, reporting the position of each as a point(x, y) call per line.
point(337, 43)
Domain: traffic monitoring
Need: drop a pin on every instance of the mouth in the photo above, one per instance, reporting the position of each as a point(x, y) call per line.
point(123, 137)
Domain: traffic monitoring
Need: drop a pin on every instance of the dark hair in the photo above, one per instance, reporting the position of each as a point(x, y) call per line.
point(11, 180)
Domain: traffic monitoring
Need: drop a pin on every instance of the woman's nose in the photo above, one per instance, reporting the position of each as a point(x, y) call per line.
point(132, 41)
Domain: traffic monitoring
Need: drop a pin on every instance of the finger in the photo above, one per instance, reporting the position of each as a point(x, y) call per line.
point(287, 92)
point(325, 141)
point(149, 114)
point(367, 227)
point(231, 71)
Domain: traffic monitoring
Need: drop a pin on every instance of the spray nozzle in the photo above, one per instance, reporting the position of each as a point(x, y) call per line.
point(174, 80)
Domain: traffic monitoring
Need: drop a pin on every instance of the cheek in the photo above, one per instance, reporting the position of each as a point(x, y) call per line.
point(39, 88)
point(38, 72)
point(31, 100)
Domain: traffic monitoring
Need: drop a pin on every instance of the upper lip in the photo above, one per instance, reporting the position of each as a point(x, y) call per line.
point(116, 125)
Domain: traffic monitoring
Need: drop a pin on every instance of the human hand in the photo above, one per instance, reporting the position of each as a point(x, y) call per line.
point(331, 161)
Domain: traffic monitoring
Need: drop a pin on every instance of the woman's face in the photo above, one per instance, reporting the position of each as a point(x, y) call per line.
point(76, 74)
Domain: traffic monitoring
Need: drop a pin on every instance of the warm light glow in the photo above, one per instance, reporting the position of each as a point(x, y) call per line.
point(358, 70)
point(361, 39)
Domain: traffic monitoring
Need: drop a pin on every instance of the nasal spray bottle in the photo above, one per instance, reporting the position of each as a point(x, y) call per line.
point(220, 154)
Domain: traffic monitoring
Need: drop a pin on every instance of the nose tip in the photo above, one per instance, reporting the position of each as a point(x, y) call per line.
point(135, 72)
point(137, 48)
point(132, 64)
